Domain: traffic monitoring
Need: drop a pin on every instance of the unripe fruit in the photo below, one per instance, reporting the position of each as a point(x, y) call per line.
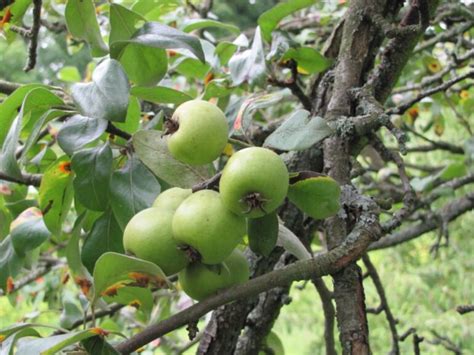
point(170, 199)
point(203, 223)
point(254, 182)
point(200, 281)
point(148, 236)
point(197, 132)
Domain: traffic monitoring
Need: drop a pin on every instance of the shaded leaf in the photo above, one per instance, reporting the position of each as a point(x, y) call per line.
point(105, 236)
point(29, 231)
point(157, 35)
point(263, 233)
point(138, 297)
point(10, 264)
point(93, 169)
point(132, 189)
point(298, 132)
point(79, 130)
point(152, 150)
point(106, 97)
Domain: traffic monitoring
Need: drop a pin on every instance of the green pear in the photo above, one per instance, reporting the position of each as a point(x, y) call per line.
point(148, 236)
point(197, 132)
point(170, 199)
point(203, 223)
point(200, 280)
point(254, 182)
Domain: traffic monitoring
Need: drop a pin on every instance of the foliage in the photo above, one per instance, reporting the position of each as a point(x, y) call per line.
point(84, 149)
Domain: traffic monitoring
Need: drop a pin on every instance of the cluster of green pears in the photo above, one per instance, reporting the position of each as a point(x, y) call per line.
point(197, 234)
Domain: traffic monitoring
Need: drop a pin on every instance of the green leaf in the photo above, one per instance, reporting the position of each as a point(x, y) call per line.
point(144, 65)
point(308, 59)
point(263, 233)
point(55, 194)
point(197, 24)
point(453, 170)
point(10, 264)
point(78, 131)
point(160, 95)
point(249, 65)
point(217, 88)
point(8, 162)
point(36, 129)
point(270, 19)
point(35, 103)
point(132, 121)
point(132, 189)
point(53, 344)
point(225, 50)
point(73, 253)
point(82, 23)
point(105, 236)
point(191, 68)
point(8, 344)
point(93, 168)
point(291, 243)
point(113, 269)
point(107, 96)
point(298, 132)
point(317, 196)
point(70, 314)
point(5, 216)
point(29, 231)
point(152, 150)
point(139, 297)
point(157, 35)
point(69, 74)
point(123, 23)
point(18, 10)
point(9, 108)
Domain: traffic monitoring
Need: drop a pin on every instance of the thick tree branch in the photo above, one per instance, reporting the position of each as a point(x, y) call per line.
point(365, 231)
point(463, 309)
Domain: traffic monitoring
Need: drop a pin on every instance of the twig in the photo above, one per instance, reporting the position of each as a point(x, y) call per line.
point(26, 179)
point(437, 144)
point(463, 309)
point(240, 143)
point(445, 342)
point(416, 344)
point(7, 87)
point(292, 84)
point(117, 131)
point(34, 32)
point(329, 314)
point(446, 85)
point(392, 322)
point(209, 184)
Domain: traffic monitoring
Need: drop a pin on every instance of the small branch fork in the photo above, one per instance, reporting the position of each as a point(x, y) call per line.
point(292, 84)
